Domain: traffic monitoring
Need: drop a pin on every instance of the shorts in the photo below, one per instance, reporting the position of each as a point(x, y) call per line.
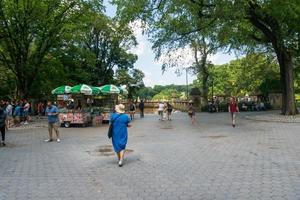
point(53, 126)
point(170, 111)
point(160, 112)
point(191, 114)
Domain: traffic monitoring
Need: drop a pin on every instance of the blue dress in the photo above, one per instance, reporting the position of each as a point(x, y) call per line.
point(119, 135)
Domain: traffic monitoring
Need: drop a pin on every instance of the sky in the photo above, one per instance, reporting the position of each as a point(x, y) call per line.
point(152, 67)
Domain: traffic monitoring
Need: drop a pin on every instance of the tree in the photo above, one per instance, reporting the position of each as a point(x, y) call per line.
point(7, 83)
point(253, 74)
point(174, 38)
point(246, 25)
point(146, 93)
point(133, 79)
point(109, 43)
point(28, 29)
point(167, 94)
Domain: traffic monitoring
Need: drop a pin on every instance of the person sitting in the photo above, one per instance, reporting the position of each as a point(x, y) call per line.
point(71, 105)
point(262, 106)
point(244, 107)
point(79, 106)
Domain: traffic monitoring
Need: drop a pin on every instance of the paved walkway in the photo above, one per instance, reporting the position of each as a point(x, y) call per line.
point(272, 116)
point(166, 160)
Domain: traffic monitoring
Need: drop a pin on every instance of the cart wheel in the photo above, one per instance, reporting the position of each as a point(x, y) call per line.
point(67, 124)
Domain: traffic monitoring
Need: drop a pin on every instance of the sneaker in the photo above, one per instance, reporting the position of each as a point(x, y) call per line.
point(3, 143)
point(26, 123)
point(58, 140)
point(48, 140)
point(233, 125)
point(120, 163)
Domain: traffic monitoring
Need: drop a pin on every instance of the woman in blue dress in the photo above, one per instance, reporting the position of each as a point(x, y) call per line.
point(120, 134)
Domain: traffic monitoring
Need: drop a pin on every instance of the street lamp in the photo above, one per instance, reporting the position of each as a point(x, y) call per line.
point(187, 83)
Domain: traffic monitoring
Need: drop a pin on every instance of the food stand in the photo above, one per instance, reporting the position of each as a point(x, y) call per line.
point(68, 118)
point(84, 105)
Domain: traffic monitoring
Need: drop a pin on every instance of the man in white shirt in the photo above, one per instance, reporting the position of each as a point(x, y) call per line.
point(26, 111)
point(161, 108)
point(9, 109)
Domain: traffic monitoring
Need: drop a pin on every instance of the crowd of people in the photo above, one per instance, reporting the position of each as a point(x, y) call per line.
point(20, 111)
point(17, 112)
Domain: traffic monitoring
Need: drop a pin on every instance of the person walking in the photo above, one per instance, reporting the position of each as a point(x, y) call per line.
point(26, 109)
point(41, 110)
point(169, 111)
point(142, 107)
point(192, 112)
point(17, 114)
point(2, 123)
point(233, 109)
point(9, 113)
point(132, 110)
point(120, 121)
point(53, 121)
point(161, 108)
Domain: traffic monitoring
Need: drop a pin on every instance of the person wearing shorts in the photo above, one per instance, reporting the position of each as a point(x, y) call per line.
point(9, 112)
point(233, 109)
point(161, 108)
point(53, 121)
point(191, 112)
point(169, 111)
point(132, 109)
point(26, 111)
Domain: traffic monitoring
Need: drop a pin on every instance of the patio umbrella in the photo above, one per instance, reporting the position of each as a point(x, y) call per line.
point(85, 89)
point(110, 89)
point(96, 90)
point(64, 89)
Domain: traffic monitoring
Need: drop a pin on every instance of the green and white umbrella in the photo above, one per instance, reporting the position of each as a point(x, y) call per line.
point(110, 89)
point(85, 89)
point(64, 89)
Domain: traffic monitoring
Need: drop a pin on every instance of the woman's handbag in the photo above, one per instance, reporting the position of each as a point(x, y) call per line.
point(110, 129)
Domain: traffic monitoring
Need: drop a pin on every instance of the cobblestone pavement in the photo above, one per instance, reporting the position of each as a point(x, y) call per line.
point(165, 160)
point(272, 116)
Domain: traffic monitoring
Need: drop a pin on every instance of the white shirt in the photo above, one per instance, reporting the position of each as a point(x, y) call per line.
point(161, 107)
point(9, 110)
point(26, 107)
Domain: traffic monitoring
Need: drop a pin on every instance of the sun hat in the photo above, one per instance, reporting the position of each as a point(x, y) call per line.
point(120, 108)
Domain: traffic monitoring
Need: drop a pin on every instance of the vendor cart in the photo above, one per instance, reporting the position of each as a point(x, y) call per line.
point(70, 117)
point(83, 105)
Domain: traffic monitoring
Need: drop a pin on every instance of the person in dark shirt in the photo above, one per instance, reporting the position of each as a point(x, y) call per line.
point(2, 123)
point(142, 107)
point(169, 110)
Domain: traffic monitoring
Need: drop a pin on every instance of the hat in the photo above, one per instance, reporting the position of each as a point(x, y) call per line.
point(190, 101)
point(120, 108)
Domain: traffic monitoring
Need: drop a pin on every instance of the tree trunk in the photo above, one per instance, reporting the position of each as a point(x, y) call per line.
point(287, 81)
point(205, 87)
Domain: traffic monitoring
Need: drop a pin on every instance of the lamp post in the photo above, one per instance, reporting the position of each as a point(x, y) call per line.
point(212, 88)
point(187, 83)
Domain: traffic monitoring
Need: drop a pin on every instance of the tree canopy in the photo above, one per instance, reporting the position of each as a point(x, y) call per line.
point(254, 74)
point(44, 44)
point(246, 25)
